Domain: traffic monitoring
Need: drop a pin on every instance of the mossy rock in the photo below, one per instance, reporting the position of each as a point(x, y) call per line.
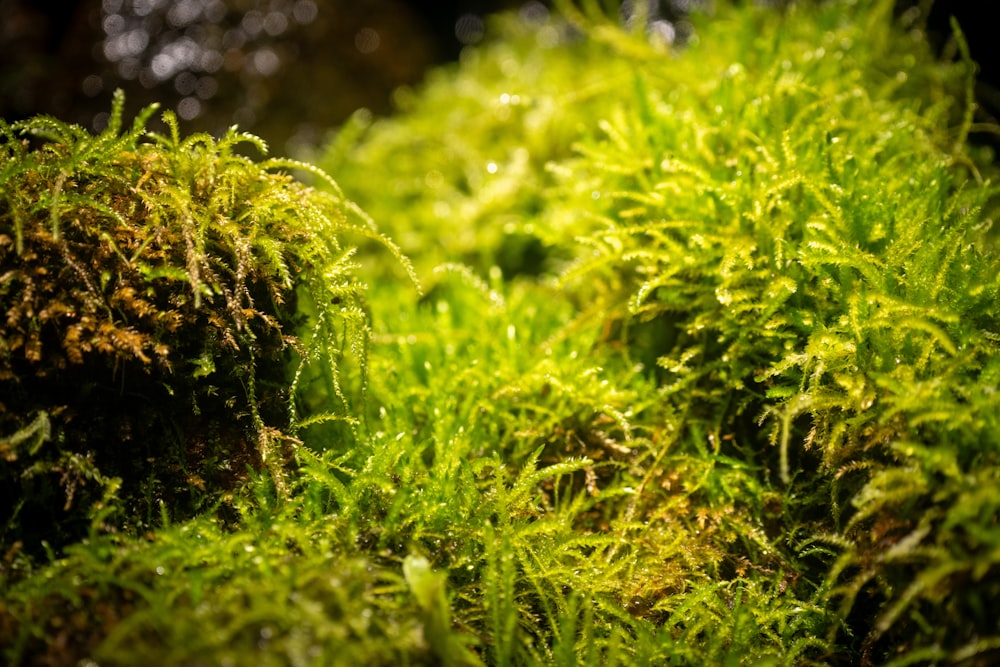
point(151, 294)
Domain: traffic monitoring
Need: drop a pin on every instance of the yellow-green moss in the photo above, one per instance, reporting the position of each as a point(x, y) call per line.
point(705, 374)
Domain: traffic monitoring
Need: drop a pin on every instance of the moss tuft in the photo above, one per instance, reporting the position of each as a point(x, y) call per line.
point(154, 292)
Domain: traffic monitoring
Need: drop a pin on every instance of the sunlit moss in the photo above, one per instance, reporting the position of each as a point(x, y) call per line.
point(705, 373)
point(783, 226)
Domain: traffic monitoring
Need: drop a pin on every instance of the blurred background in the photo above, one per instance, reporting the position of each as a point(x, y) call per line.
point(286, 70)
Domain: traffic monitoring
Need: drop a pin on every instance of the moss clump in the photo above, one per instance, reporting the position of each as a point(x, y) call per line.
point(784, 228)
point(153, 292)
point(807, 235)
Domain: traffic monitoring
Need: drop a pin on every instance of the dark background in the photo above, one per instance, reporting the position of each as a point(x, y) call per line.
point(287, 70)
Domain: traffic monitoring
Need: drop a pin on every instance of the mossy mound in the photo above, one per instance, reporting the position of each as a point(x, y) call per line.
point(150, 292)
point(783, 226)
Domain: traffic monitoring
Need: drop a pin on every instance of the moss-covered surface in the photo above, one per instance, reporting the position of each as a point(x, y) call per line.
point(703, 371)
point(154, 294)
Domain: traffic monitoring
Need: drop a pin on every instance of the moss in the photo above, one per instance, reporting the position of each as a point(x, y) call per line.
point(783, 227)
point(705, 373)
point(815, 240)
point(151, 289)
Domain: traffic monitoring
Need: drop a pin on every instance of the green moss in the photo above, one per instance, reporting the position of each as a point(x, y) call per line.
point(705, 373)
point(812, 240)
point(153, 291)
point(784, 228)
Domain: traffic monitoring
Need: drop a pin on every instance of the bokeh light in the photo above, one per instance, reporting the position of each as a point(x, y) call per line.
point(187, 42)
point(287, 70)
